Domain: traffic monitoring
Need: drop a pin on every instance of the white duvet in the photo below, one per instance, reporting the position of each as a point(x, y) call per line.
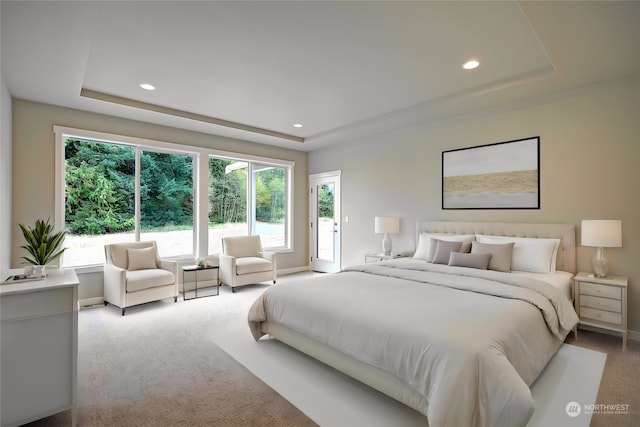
point(469, 342)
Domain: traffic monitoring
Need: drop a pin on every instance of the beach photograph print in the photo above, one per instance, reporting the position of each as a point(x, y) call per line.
point(504, 175)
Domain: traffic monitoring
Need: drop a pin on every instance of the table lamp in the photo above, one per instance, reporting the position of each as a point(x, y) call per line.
point(601, 233)
point(387, 225)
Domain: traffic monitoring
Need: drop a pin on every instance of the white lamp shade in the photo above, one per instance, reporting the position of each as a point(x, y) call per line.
point(604, 233)
point(387, 224)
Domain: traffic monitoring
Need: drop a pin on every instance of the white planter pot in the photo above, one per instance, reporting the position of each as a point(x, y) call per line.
point(38, 270)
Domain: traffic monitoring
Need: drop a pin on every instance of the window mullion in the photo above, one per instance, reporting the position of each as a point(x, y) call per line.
point(138, 171)
point(201, 179)
point(251, 197)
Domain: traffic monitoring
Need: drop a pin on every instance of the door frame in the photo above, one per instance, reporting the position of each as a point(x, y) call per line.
point(314, 263)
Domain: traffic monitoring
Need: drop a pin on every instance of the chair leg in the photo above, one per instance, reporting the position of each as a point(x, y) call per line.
point(123, 311)
point(175, 299)
point(274, 282)
point(233, 290)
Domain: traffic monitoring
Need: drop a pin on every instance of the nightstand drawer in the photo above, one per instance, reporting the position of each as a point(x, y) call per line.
point(601, 315)
point(607, 304)
point(613, 292)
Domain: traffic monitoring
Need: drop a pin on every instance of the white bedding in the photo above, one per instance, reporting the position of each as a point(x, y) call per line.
point(469, 342)
point(559, 279)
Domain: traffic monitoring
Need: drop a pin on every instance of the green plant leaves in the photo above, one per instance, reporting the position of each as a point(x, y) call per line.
point(42, 244)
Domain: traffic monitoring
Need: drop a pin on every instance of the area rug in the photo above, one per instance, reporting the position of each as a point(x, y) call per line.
point(330, 398)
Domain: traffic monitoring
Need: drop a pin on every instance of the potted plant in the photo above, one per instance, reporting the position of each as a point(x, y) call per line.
point(43, 245)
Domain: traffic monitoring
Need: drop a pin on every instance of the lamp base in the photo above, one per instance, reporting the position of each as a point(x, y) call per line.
point(386, 244)
point(600, 264)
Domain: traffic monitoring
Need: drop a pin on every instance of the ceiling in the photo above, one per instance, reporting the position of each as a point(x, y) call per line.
point(345, 70)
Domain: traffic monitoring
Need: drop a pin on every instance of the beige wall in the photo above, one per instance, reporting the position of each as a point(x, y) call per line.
point(33, 165)
point(589, 169)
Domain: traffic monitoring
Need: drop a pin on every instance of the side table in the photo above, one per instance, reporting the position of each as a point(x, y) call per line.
point(380, 257)
point(602, 302)
point(195, 278)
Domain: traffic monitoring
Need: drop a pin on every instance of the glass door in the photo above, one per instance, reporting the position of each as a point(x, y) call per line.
point(324, 221)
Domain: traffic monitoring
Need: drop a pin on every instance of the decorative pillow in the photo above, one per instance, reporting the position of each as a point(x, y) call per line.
point(427, 251)
point(443, 249)
point(141, 259)
point(460, 259)
point(500, 254)
point(529, 254)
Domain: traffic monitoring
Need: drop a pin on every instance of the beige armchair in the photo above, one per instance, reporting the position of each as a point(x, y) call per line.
point(243, 262)
point(133, 274)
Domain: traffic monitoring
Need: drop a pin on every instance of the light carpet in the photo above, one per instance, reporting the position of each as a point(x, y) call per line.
point(330, 398)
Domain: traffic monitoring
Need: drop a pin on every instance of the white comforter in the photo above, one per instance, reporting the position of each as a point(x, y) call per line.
point(470, 342)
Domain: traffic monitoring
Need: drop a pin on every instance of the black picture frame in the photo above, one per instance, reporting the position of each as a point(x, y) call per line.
point(502, 175)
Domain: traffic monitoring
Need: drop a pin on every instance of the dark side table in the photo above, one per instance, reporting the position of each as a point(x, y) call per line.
point(201, 280)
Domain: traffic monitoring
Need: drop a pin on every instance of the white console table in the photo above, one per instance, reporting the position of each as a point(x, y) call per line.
point(39, 347)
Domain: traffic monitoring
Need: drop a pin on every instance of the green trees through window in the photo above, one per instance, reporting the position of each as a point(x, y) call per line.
point(166, 191)
point(100, 180)
point(100, 199)
point(227, 191)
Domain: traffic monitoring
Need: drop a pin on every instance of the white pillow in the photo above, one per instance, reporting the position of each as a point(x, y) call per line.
point(529, 254)
point(426, 250)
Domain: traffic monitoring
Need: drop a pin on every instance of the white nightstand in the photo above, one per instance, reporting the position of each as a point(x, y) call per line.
point(602, 302)
point(380, 257)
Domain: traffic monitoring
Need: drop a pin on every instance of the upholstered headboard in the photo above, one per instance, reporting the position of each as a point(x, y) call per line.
point(566, 260)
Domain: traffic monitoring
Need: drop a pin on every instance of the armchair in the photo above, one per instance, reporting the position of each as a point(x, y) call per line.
point(243, 262)
point(133, 274)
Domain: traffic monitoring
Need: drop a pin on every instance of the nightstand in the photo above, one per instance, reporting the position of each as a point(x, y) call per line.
point(602, 302)
point(380, 257)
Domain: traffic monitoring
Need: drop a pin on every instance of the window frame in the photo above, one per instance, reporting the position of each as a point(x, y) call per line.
point(200, 157)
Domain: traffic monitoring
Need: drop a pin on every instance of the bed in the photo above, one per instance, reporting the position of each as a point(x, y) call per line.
point(455, 338)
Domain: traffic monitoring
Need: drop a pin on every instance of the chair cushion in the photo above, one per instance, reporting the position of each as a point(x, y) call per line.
point(242, 246)
point(249, 265)
point(138, 280)
point(141, 259)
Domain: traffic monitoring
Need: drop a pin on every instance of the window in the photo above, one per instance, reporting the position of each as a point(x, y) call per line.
point(269, 204)
point(248, 198)
point(227, 201)
point(166, 202)
point(101, 201)
point(114, 188)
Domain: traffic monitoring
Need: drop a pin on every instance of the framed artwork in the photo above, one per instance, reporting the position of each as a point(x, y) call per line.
point(504, 175)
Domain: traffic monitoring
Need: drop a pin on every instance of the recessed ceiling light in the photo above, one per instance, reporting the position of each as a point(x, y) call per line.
point(470, 65)
point(297, 125)
point(147, 86)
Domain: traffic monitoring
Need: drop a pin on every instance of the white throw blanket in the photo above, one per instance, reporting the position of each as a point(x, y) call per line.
point(469, 342)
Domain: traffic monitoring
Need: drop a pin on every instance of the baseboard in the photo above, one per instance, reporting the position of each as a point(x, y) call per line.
point(293, 270)
point(91, 302)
